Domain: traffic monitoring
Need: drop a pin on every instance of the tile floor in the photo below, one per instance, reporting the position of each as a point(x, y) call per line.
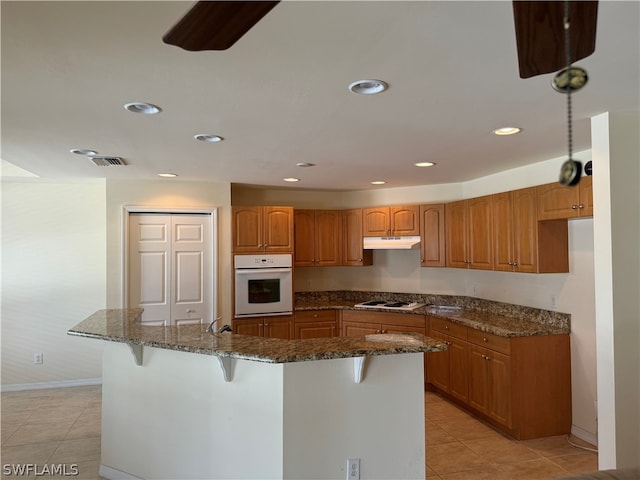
point(62, 426)
point(459, 447)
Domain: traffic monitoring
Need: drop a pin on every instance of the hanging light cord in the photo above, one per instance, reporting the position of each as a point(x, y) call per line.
point(567, 46)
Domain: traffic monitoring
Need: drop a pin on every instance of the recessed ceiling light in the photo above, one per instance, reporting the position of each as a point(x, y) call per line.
point(368, 87)
point(83, 151)
point(424, 164)
point(305, 164)
point(168, 175)
point(291, 179)
point(143, 108)
point(507, 131)
point(378, 182)
point(205, 137)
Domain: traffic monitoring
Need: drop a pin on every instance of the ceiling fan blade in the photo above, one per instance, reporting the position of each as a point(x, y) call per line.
point(216, 25)
point(540, 34)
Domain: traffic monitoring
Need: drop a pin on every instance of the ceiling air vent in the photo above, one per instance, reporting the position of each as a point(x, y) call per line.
point(107, 161)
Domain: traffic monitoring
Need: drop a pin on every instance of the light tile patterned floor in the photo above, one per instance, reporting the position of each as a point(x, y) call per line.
point(62, 426)
point(459, 447)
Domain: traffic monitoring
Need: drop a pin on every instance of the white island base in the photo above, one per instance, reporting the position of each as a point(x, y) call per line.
point(175, 417)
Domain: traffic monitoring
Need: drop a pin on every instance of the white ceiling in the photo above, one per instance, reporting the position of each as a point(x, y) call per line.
point(279, 96)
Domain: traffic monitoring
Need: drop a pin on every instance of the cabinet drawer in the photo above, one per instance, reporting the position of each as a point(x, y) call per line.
point(488, 340)
point(388, 318)
point(316, 316)
point(450, 328)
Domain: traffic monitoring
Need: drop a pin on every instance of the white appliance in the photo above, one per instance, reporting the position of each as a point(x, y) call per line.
point(390, 305)
point(391, 243)
point(263, 285)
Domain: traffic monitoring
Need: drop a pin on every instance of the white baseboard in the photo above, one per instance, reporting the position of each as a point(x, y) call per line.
point(113, 474)
point(58, 384)
point(584, 435)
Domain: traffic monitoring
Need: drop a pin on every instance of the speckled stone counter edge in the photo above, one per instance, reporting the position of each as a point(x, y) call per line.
point(123, 325)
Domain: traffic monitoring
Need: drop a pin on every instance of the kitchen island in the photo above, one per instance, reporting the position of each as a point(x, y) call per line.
point(179, 402)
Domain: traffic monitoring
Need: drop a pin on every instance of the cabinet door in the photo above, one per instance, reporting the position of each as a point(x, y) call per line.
point(328, 238)
point(458, 368)
point(438, 371)
point(586, 196)
point(480, 234)
point(503, 232)
point(556, 201)
point(278, 229)
point(247, 229)
point(352, 252)
point(358, 329)
point(376, 222)
point(500, 387)
point(432, 232)
point(252, 326)
point(315, 324)
point(525, 230)
point(278, 327)
point(315, 330)
point(404, 220)
point(304, 238)
point(456, 234)
point(479, 386)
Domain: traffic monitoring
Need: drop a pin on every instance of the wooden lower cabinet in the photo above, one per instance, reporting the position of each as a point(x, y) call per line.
point(489, 384)
point(521, 385)
point(315, 324)
point(280, 326)
point(449, 370)
point(355, 323)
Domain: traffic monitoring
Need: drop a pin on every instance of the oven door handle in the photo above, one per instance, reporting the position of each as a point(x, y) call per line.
point(245, 271)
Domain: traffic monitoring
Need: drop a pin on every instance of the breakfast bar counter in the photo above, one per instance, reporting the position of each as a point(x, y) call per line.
point(277, 408)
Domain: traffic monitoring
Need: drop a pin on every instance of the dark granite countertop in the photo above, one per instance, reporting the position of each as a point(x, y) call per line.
point(123, 325)
point(502, 319)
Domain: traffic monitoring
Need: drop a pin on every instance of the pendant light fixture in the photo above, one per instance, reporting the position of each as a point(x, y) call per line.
point(566, 81)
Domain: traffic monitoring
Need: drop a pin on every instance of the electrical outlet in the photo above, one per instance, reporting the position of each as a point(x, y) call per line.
point(554, 301)
point(353, 469)
point(37, 358)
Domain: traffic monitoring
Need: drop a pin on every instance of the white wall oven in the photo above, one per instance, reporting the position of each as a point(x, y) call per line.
point(263, 285)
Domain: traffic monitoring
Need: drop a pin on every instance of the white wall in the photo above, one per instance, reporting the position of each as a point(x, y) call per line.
point(616, 157)
point(293, 421)
point(400, 271)
point(53, 276)
point(167, 193)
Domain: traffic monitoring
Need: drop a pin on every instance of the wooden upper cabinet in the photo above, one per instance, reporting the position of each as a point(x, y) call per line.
point(469, 234)
point(456, 234)
point(556, 201)
point(515, 240)
point(432, 245)
point(480, 233)
point(405, 220)
point(353, 253)
point(318, 238)
point(304, 238)
point(262, 229)
point(385, 221)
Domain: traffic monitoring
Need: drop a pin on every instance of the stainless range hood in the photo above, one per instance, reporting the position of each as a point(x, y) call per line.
point(391, 243)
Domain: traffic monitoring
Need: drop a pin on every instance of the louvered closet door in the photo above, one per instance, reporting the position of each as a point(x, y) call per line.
point(170, 268)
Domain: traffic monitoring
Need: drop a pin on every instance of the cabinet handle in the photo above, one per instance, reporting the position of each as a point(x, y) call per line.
point(574, 207)
point(487, 358)
point(190, 311)
point(315, 315)
point(581, 206)
point(510, 263)
point(484, 339)
point(515, 264)
point(446, 327)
